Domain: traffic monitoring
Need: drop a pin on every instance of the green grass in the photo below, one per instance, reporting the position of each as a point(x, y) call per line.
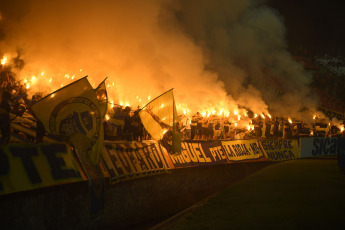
point(300, 194)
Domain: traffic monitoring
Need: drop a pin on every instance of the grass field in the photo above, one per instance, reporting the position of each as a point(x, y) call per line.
point(299, 194)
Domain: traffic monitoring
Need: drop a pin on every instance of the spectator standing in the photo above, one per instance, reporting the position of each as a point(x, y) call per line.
point(135, 123)
point(193, 126)
point(127, 135)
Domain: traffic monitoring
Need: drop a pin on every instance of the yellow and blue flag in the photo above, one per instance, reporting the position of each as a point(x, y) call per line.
point(74, 114)
point(159, 118)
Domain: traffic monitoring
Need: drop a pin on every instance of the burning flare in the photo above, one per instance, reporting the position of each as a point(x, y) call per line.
point(4, 60)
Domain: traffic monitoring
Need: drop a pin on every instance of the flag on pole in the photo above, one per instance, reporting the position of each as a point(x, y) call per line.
point(73, 113)
point(159, 118)
point(102, 96)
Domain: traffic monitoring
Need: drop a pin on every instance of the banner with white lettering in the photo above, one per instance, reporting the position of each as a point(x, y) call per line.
point(128, 160)
point(30, 166)
point(242, 150)
point(280, 150)
point(318, 146)
point(199, 153)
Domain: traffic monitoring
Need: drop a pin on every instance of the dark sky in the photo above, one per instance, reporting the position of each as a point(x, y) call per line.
point(313, 22)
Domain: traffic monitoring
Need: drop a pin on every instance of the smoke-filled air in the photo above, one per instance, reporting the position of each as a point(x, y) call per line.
point(224, 56)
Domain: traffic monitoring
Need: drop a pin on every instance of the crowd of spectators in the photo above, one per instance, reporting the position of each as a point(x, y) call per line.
point(15, 100)
point(216, 127)
point(124, 123)
point(336, 65)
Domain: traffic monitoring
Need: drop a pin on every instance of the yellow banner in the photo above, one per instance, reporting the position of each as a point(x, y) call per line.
point(30, 166)
point(242, 150)
point(129, 160)
point(280, 150)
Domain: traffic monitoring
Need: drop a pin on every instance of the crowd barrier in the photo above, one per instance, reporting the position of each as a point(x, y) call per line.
point(30, 166)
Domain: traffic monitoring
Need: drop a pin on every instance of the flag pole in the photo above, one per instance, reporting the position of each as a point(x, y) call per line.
point(114, 104)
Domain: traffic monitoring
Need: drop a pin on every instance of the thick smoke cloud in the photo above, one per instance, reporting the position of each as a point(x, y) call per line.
point(246, 46)
point(215, 54)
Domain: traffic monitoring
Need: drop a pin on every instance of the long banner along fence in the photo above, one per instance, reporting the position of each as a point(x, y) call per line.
point(30, 166)
point(243, 150)
point(320, 146)
point(280, 150)
point(27, 166)
point(130, 160)
point(199, 153)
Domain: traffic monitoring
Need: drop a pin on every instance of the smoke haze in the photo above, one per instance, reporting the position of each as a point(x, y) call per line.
point(215, 54)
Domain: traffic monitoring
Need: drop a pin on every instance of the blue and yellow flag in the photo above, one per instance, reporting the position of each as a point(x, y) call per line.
point(159, 118)
point(74, 114)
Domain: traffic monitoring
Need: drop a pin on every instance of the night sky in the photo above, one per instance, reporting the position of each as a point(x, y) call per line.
point(313, 23)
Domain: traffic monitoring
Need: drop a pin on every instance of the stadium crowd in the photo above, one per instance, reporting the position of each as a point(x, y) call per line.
point(124, 123)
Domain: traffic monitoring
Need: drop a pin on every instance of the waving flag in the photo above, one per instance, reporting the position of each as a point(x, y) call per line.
point(102, 96)
point(74, 114)
point(159, 118)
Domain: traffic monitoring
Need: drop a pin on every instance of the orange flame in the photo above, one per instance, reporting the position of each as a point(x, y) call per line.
point(4, 60)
